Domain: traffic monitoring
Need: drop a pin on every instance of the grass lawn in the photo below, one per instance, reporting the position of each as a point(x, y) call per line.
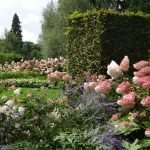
point(47, 93)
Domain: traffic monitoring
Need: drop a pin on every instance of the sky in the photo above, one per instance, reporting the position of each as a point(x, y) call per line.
point(30, 15)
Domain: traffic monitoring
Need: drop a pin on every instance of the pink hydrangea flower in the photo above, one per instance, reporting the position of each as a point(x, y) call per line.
point(114, 70)
point(143, 72)
point(92, 85)
point(103, 87)
point(146, 85)
point(147, 132)
point(146, 102)
point(124, 65)
point(140, 64)
point(127, 100)
point(143, 81)
point(115, 117)
point(89, 85)
point(123, 88)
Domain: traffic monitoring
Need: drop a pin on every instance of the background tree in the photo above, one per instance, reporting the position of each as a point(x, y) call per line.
point(10, 42)
point(16, 29)
point(52, 38)
point(31, 50)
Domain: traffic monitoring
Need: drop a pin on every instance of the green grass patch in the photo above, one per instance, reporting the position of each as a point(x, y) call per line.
point(41, 92)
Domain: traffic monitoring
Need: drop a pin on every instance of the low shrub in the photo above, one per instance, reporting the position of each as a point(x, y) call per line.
point(23, 74)
point(9, 57)
point(31, 83)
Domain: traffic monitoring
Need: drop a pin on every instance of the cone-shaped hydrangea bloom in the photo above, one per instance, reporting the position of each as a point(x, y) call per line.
point(89, 85)
point(140, 64)
point(53, 77)
point(146, 102)
point(127, 100)
point(123, 88)
point(124, 65)
point(113, 69)
point(144, 82)
point(103, 87)
point(145, 71)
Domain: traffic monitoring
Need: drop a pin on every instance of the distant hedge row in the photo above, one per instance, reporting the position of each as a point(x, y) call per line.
point(97, 37)
point(8, 57)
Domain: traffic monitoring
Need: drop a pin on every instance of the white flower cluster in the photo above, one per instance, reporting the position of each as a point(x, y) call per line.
point(56, 114)
point(10, 110)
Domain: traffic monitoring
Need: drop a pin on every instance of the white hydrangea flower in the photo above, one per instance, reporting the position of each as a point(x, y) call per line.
point(4, 97)
point(17, 125)
point(17, 91)
point(21, 110)
point(114, 70)
point(15, 116)
point(10, 103)
point(4, 109)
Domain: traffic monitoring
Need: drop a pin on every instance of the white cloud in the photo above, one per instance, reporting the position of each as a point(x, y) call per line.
point(30, 15)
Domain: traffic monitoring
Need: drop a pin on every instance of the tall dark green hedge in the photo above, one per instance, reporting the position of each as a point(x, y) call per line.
point(97, 37)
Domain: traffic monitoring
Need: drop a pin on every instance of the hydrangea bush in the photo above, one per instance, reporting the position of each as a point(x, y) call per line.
point(133, 97)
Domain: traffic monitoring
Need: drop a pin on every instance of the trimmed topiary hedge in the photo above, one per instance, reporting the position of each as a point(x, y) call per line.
point(22, 74)
point(97, 37)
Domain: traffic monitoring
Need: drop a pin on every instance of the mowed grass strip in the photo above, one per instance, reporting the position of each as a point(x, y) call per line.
point(41, 92)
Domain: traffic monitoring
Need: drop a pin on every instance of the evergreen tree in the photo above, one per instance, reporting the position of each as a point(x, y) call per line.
point(16, 28)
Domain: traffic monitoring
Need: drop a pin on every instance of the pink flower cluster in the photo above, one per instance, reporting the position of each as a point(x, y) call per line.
point(123, 88)
point(124, 65)
point(143, 72)
point(142, 77)
point(146, 102)
point(115, 117)
point(89, 85)
point(57, 75)
point(128, 100)
point(143, 81)
point(103, 87)
point(140, 64)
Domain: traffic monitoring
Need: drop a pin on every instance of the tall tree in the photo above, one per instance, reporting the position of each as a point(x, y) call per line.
point(16, 28)
point(10, 42)
point(52, 38)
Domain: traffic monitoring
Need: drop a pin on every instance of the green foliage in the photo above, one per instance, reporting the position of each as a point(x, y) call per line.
point(133, 146)
point(79, 140)
point(32, 83)
point(52, 93)
point(139, 5)
point(52, 38)
point(9, 57)
point(23, 74)
point(97, 37)
point(9, 42)
point(30, 50)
